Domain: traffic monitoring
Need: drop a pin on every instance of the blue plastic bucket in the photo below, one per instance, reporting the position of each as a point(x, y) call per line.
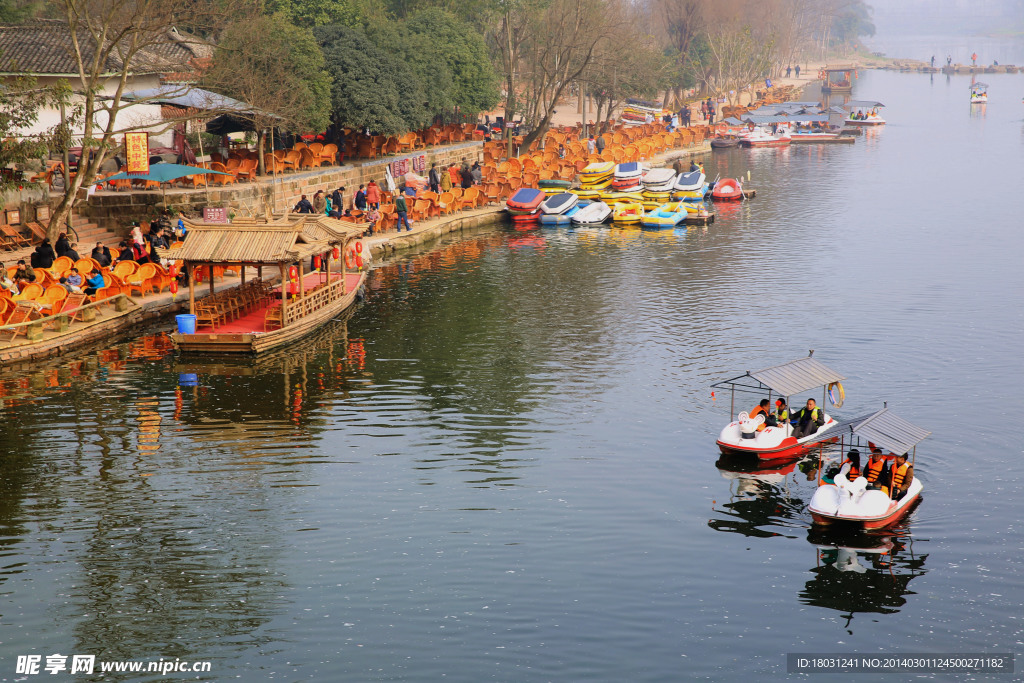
point(186, 323)
point(188, 379)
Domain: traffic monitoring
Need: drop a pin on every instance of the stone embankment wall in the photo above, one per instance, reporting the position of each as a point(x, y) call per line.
point(116, 210)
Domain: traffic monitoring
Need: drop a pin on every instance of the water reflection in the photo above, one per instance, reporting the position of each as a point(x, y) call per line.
point(862, 573)
point(764, 499)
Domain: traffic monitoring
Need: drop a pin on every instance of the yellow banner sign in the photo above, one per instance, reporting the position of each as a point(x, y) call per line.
point(136, 147)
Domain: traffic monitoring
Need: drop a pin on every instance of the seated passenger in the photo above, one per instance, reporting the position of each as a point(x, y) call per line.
point(781, 414)
point(875, 472)
point(94, 283)
point(808, 420)
point(901, 477)
point(761, 409)
point(851, 466)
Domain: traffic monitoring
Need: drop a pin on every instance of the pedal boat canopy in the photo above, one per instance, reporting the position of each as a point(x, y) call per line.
point(788, 379)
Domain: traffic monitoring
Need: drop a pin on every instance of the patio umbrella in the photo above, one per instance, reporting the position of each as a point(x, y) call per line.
point(163, 173)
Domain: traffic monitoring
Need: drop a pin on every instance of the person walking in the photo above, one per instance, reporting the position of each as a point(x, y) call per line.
point(360, 200)
point(797, 71)
point(789, 70)
point(446, 180)
point(402, 209)
point(974, 59)
point(600, 144)
point(933, 61)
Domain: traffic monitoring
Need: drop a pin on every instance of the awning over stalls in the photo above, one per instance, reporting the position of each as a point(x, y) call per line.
point(787, 379)
point(881, 428)
point(862, 104)
point(190, 97)
point(259, 241)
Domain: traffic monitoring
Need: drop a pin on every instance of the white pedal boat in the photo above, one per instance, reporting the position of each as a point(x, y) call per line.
point(741, 436)
point(850, 502)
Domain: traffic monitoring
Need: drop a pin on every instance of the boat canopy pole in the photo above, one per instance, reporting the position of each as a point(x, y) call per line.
point(732, 403)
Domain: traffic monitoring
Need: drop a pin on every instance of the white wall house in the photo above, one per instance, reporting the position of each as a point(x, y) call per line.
point(42, 49)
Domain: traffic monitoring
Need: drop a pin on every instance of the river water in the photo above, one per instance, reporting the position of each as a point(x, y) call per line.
point(502, 466)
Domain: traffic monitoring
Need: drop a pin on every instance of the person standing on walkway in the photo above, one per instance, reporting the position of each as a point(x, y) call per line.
point(402, 209)
point(974, 59)
point(360, 200)
point(797, 71)
point(446, 180)
point(373, 194)
point(600, 144)
point(789, 70)
point(933, 61)
point(434, 178)
point(949, 60)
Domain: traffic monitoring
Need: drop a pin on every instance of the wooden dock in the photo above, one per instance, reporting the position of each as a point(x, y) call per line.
point(694, 219)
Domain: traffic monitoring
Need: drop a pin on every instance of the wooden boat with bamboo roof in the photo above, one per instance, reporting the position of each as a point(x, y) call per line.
point(256, 316)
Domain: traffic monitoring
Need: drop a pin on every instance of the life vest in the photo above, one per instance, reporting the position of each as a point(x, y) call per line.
point(854, 470)
point(759, 411)
point(874, 470)
point(899, 473)
point(814, 414)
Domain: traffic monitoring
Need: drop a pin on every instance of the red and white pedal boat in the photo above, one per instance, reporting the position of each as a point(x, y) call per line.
point(741, 436)
point(850, 502)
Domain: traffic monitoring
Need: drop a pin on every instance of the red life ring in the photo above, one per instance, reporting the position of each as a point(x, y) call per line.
point(359, 247)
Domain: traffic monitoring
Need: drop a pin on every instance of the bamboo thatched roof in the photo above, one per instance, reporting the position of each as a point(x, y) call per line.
point(282, 239)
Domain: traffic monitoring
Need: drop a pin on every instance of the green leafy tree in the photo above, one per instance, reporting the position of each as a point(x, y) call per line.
point(456, 47)
point(20, 100)
point(372, 89)
point(313, 13)
point(277, 68)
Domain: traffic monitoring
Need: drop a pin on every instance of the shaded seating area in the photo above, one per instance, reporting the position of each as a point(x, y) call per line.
point(285, 244)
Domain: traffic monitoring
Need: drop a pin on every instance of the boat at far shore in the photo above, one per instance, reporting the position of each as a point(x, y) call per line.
point(762, 136)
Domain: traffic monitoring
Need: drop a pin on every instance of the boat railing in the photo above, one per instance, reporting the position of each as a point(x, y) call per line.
point(313, 300)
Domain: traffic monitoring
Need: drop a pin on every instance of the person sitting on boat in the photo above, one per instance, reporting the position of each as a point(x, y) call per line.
point(876, 471)
point(761, 409)
point(901, 477)
point(808, 420)
point(694, 166)
point(851, 466)
point(780, 416)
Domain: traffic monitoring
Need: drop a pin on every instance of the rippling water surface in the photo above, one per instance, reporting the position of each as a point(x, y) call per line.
point(502, 466)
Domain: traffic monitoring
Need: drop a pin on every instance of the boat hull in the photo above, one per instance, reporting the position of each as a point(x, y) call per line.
point(773, 443)
point(257, 342)
point(896, 510)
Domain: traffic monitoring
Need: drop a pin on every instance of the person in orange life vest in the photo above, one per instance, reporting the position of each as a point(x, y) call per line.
point(851, 466)
point(808, 420)
point(876, 471)
point(761, 409)
point(901, 477)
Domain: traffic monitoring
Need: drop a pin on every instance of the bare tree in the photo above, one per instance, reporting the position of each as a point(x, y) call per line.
point(109, 41)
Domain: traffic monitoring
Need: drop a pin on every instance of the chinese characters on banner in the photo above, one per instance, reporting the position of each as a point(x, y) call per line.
point(416, 164)
point(136, 146)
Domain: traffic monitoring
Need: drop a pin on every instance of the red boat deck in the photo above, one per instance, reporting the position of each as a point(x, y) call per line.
point(253, 320)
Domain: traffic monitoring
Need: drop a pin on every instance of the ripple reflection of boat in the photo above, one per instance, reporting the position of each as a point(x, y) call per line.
point(861, 572)
point(759, 497)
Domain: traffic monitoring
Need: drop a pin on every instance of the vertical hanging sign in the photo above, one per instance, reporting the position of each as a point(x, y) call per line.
point(136, 147)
